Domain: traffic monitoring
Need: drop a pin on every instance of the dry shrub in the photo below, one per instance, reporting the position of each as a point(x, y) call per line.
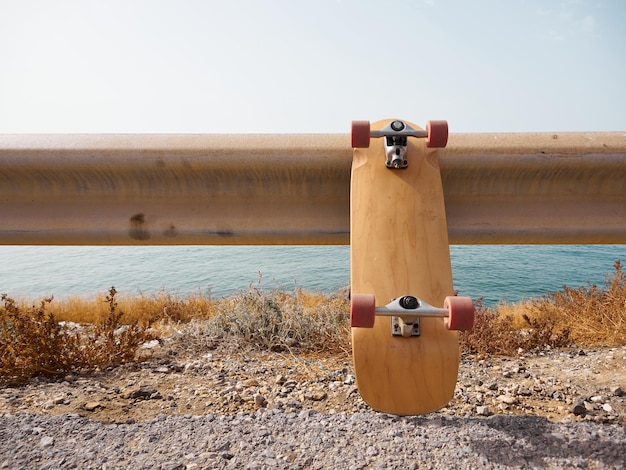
point(493, 333)
point(594, 316)
point(34, 343)
point(587, 316)
point(517, 312)
point(277, 321)
point(500, 334)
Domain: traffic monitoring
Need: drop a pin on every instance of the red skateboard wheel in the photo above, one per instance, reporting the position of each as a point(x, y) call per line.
point(437, 134)
point(362, 310)
point(460, 313)
point(360, 134)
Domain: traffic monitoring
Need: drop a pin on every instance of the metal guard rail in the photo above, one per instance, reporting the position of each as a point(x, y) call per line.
point(295, 189)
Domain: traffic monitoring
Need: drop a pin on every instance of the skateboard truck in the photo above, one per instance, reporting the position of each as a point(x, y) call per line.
point(396, 135)
point(405, 313)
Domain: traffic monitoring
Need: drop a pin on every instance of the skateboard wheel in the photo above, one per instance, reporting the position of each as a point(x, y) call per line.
point(360, 134)
point(460, 313)
point(362, 310)
point(437, 134)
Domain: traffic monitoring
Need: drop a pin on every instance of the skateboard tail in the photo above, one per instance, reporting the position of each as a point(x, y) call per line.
point(414, 385)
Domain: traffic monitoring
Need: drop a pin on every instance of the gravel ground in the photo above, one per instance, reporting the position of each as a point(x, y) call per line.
point(187, 406)
point(308, 439)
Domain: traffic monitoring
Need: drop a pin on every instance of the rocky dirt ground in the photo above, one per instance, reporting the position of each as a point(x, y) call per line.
point(174, 378)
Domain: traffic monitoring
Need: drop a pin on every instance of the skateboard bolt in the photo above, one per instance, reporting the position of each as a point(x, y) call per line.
point(409, 302)
point(397, 126)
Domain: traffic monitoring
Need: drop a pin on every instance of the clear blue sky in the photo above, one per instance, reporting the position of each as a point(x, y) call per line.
point(311, 66)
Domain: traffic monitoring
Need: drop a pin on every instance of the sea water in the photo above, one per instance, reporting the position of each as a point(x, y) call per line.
point(494, 272)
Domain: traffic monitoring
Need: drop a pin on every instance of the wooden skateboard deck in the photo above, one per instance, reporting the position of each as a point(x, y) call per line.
point(399, 246)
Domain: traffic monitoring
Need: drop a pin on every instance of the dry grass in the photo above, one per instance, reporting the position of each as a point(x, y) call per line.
point(34, 340)
point(507, 330)
point(594, 315)
point(144, 310)
point(587, 316)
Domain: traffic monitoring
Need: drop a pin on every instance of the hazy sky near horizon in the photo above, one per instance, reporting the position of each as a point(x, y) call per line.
point(285, 66)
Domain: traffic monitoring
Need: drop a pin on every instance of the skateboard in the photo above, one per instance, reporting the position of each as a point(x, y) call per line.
point(404, 315)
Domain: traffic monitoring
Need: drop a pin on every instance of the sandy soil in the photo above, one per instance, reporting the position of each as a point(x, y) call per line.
point(175, 378)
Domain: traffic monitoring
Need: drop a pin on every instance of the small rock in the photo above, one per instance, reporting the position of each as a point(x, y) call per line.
point(290, 384)
point(259, 400)
point(606, 407)
point(483, 410)
point(579, 408)
point(46, 441)
point(596, 399)
point(617, 391)
point(58, 399)
point(92, 405)
point(318, 395)
point(147, 393)
point(250, 383)
point(173, 466)
point(507, 399)
point(150, 344)
point(162, 370)
point(304, 414)
point(371, 450)
point(219, 446)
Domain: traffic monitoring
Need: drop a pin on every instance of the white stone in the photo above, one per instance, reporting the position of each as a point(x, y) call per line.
point(46, 441)
point(150, 344)
point(507, 399)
